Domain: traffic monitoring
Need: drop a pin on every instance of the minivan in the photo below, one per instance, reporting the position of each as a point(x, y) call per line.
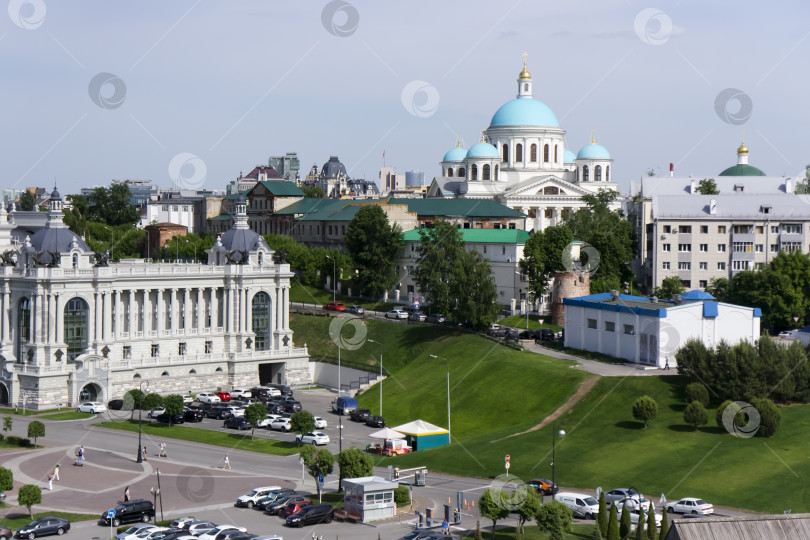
point(309, 515)
point(583, 506)
point(344, 405)
point(137, 510)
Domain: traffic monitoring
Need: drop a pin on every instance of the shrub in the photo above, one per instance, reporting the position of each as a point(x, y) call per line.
point(697, 392)
point(645, 409)
point(695, 414)
point(402, 495)
point(13, 439)
point(769, 417)
point(26, 443)
point(6, 479)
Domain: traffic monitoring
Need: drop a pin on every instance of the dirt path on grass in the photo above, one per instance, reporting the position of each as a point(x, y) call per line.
point(584, 387)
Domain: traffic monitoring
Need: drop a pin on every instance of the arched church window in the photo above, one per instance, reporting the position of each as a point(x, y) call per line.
point(533, 153)
point(462, 172)
point(505, 151)
point(485, 172)
point(473, 172)
point(525, 87)
point(75, 260)
point(450, 171)
point(585, 173)
point(551, 190)
point(607, 173)
point(545, 153)
point(597, 173)
point(519, 153)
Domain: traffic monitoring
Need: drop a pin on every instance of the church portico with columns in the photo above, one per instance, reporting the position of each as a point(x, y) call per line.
point(75, 327)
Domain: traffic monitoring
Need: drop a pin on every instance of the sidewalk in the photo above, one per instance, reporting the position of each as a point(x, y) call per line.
point(618, 369)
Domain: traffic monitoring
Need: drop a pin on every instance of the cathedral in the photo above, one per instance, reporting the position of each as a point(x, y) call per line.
point(521, 161)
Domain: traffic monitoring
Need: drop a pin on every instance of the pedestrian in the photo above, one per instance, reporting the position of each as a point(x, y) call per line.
point(445, 527)
point(227, 464)
point(81, 456)
point(56, 471)
point(50, 481)
point(666, 365)
point(143, 454)
point(163, 449)
point(126, 494)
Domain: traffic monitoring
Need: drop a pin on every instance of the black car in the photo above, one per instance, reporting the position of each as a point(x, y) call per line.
point(292, 406)
point(137, 510)
point(274, 496)
point(193, 415)
point(311, 514)
point(178, 418)
point(546, 334)
point(44, 527)
point(356, 310)
point(375, 421)
point(276, 407)
point(115, 404)
point(219, 412)
point(283, 388)
point(237, 422)
point(360, 415)
point(171, 534)
point(437, 318)
point(511, 333)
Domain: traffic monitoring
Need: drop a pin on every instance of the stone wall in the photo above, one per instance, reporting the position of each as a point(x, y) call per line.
point(567, 285)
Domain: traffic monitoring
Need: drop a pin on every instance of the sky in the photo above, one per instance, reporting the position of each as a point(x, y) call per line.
point(189, 93)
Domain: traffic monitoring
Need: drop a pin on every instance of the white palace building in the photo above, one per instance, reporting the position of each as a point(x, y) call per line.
point(76, 327)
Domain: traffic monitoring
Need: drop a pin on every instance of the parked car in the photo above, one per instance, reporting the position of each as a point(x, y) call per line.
point(193, 415)
point(274, 496)
point(357, 310)
point(396, 314)
point(635, 514)
point(237, 422)
point(546, 334)
point(187, 399)
point(543, 485)
point(126, 512)
point(293, 507)
point(154, 413)
point(496, 330)
point(219, 412)
point(375, 421)
point(618, 495)
point(344, 405)
point(282, 388)
point(5, 532)
point(292, 406)
point(238, 393)
point(180, 523)
point(213, 533)
point(311, 514)
point(316, 438)
point(277, 408)
point(417, 316)
point(115, 404)
point(511, 333)
point(166, 418)
point(197, 528)
point(223, 396)
point(360, 415)
point(334, 306)
point(133, 531)
point(583, 506)
point(153, 534)
point(320, 423)
point(92, 407)
point(690, 505)
point(436, 318)
point(281, 424)
point(785, 334)
point(208, 397)
point(279, 505)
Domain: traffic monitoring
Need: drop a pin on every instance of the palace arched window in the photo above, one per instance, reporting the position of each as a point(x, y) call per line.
point(261, 320)
point(75, 327)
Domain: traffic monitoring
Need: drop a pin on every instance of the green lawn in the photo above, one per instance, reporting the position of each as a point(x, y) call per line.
point(67, 415)
point(240, 439)
point(590, 355)
point(17, 520)
point(519, 322)
point(28, 412)
point(314, 295)
point(533, 532)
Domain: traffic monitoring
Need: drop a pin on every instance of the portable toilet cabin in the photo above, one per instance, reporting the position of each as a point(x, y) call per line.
point(422, 435)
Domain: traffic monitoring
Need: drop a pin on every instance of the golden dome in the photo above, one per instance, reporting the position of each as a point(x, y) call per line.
point(742, 149)
point(525, 73)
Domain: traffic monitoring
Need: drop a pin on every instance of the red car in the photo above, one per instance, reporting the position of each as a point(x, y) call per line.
point(224, 396)
point(334, 306)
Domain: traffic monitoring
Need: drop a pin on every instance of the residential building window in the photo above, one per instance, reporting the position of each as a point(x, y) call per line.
point(683, 248)
point(703, 283)
point(610, 326)
point(126, 352)
point(665, 265)
point(792, 228)
point(155, 351)
point(704, 229)
point(485, 249)
point(775, 229)
point(721, 248)
point(533, 153)
point(791, 247)
point(665, 247)
point(704, 266)
point(667, 229)
point(742, 229)
point(629, 329)
point(410, 270)
point(686, 283)
point(704, 248)
point(721, 266)
point(685, 229)
point(760, 229)
point(592, 323)
point(503, 250)
point(181, 349)
point(740, 265)
point(742, 247)
point(760, 248)
point(164, 207)
point(175, 208)
point(721, 229)
point(684, 266)
point(209, 347)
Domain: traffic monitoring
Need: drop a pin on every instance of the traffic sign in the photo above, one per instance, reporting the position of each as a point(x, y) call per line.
point(507, 458)
point(110, 513)
point(506, 465)
point(416, 303)
point(320, 479)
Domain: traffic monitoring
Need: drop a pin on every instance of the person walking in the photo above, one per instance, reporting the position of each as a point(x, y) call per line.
point(126, 494)
point(143, 454)
point(227, 464)
point(56, 471)
point(50, 481)
point(81, 456)
point(445, 527)
point(666, 365)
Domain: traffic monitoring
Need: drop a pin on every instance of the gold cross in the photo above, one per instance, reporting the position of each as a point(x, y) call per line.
point(524, 55)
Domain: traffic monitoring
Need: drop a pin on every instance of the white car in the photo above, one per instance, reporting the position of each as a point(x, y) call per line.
point(316, 438)
point(690, 505)
point(208, 397)
point(197, 528)
point(156, 412)
point(320, 423)
point(180, 523)
point(396, 314)
point(253, 497)
point(92, 407)
point(152, 534)
point(583, 506)
point(281, 424)
point(236, 411)
point(634, 515)
point(212, 534)
point(239, 393)
point(188, 400)
point(133, 531)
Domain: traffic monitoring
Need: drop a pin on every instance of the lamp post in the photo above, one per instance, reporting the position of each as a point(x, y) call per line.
point(448, 393)
point(334, 271)
point(381, 371)
point(138, 454)
point(796, 322)
point(155, 493)
point(631, 490)
point(554, 434)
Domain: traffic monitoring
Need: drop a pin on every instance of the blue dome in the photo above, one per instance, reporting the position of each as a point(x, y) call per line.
point(569, 156)
point(593, 151)
point(524, 111)
point(483, 150)
point(455, 154)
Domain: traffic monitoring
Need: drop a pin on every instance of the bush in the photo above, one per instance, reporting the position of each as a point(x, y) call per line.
point(402, 495)
point(697, 392)
point(645, 409)
point(695, 414)
point(26, 443)
point(13, 439)
point(769, 417)
point(6, 479)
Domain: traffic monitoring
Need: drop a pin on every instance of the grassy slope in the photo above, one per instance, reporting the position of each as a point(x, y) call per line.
point(314, 295)
point(519, 322)
point(533, 532)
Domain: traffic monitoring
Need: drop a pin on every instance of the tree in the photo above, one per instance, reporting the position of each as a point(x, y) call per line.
point(36, 429)
point(769, 417)
point(640, 526)
point(438, 250)
point(28, 496)
point(112, 206)
point(27, 201)
point(739, 416)
point(602, 516)
point(597, 534)
point(528, 510)
point(312, 192)
point(6, 479)
point(478, 532)
point(651, 523)
point(625, 523)
point(374, 244)
point(695, 414)
point(302, 422)
point(255, 413)
point(697, 392)
point(7, 422)
point(492, 506)
point(189, 246)
point(173, 405)
point(473, 287)
point(555, 518)
point(354, 463)
point(543, 256)
point(664, 526)
point(707, 186)
point(669, 287)
point(152, 401)
point(645, 409)
point(317, 462)
point(613, 525)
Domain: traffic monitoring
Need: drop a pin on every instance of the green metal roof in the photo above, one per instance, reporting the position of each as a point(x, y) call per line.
point(742, 170)
point(481, 236)
point(341, 209)
point(283, 188)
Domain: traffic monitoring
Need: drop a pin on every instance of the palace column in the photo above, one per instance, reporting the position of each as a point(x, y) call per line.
point(285, 307)
point(59, 317)
point(133, 328)
point(214, 310)
point(200, 310)
point(186, 311)
point(161, 312)
point(248, 311)
point(106, 312)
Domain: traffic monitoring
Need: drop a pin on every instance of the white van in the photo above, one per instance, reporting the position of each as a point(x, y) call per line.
point(583, 506)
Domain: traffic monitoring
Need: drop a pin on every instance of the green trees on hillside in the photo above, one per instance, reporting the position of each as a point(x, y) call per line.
point(374, 246)
point(543, 255)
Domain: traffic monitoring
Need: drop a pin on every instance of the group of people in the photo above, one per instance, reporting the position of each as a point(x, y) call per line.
point(79, 461)
point(161, 451)
point(53, 476)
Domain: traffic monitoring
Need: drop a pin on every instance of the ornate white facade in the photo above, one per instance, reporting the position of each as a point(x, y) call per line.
point(521, 162)
point(74, 327)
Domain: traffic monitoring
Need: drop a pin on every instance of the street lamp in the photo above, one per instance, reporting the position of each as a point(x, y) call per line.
point(334, 271)
point(381, 371)
point(155, 493)
point(630, 490)
point(448, 393)
point(138, 454)
point(554, 434)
